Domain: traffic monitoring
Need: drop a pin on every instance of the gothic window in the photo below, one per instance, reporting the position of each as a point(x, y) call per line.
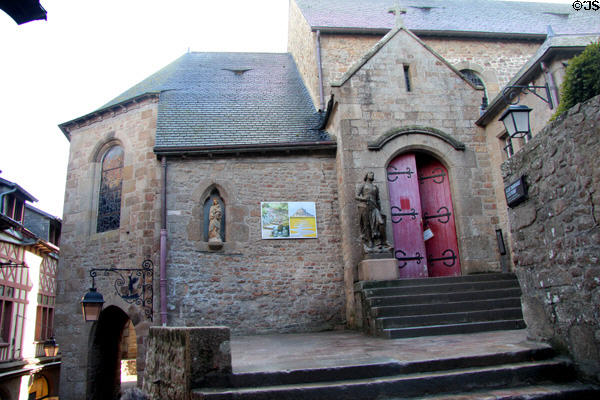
point(473, 77)
point(109, 198)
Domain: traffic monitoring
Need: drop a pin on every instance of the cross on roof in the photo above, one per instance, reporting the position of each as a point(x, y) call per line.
point(398, 11)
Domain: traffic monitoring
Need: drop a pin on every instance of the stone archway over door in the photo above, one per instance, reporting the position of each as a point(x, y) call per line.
point(104, 370)
point(420, 198)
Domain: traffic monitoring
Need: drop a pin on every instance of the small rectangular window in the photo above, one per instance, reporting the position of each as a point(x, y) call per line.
point(407, 78)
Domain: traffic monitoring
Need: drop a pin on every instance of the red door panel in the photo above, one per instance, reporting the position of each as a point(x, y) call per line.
point(405, 216)
point(438, 215)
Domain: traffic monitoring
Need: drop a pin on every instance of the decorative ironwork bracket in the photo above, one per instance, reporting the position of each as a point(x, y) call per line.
point(418, 257)
point(134, 285)
point(395, 173)
point(445, 258)
point(440, 215)
point(437, 174)
point(510, 94)
point(397, 214)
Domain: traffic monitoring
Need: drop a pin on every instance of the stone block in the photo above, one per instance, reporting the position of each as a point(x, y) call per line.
point(378, 270)
point(181, 358)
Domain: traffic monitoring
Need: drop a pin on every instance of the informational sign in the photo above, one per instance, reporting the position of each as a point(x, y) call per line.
point(288, 220)
point(516, 192)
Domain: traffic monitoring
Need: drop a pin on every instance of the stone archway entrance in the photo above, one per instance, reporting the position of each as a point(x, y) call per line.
point(104, 371)
point(421, 205)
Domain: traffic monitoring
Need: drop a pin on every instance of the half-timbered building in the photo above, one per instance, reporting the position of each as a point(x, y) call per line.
point(29, 367)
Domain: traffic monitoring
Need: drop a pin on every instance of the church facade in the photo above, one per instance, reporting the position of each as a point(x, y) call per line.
point(281, 144)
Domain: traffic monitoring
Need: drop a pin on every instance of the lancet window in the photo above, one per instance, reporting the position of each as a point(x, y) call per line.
point(109, 197)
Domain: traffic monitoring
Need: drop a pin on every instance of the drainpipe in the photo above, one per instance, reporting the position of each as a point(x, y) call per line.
point(550, 79)
point(320, 67)
point(163, 244)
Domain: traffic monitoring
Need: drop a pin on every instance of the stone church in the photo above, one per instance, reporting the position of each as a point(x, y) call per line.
point(367, 87)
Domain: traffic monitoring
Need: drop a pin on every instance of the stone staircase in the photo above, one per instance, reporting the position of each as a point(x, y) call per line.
point(439, 306)
point(535, 373)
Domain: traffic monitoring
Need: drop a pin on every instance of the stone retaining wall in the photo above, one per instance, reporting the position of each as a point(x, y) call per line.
point(179, 359)
point(556, 233)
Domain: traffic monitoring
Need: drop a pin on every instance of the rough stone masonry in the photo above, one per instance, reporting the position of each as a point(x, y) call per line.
point(556, 233)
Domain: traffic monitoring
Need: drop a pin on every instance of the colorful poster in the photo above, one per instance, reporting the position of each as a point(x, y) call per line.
point(288, 220)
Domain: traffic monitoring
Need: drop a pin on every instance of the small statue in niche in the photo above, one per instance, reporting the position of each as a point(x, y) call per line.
point(214, 225)
point(372, 221)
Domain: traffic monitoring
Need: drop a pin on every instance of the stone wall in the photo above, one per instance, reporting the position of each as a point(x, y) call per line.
point(495, 133)
point(495, 60)
point(82, 248)
point(373, 103)
point(181, 359)
point(253, 285)
point(302, 46)
point(556, 233)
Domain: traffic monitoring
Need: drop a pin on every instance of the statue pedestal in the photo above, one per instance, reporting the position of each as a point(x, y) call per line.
point(381, 269)
point(215, 244)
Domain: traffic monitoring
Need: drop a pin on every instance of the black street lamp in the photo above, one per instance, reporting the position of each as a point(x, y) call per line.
point(516, 121)
point(133, 285)
point(91, 304)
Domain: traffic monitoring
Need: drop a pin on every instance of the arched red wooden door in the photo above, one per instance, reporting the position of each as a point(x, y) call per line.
point(420, 198)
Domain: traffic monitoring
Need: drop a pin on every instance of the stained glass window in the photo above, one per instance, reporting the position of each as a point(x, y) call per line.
point(109, 198)
point(472, 77)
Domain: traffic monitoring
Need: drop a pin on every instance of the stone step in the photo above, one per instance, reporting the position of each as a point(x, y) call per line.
point(445, 307)
point(406, 385)
point(441, 288)
point(449, 318)
point(430, 298)
point(451, 329)
point(434, 281)
point(577, 390)
point(372, 370)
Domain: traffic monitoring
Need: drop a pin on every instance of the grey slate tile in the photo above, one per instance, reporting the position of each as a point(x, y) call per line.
point(213, 99)
point(452, 15)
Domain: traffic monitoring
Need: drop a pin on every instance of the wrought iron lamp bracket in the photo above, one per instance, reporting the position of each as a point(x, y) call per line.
point(134, 285)
point(510, 93)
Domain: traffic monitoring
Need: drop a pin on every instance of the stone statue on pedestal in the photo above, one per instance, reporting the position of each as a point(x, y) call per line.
point(372, 221)
point(214, 225)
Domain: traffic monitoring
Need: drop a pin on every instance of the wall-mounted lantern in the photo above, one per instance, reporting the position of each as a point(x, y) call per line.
point(91, 304)
point(50, 347)
point(133, 285)
point(516, 121)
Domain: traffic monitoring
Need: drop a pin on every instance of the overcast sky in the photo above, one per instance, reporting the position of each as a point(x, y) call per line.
point(88, 52)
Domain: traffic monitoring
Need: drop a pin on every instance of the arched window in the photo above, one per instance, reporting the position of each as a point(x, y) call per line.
point(474, 78)
point(109, 198)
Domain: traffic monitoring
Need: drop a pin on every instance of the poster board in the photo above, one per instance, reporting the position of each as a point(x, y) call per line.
point(288, 220)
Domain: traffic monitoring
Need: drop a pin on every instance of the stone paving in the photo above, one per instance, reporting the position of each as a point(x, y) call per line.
point(341, 348)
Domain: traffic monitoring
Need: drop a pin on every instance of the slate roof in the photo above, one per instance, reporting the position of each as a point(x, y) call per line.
point(230, 99)
point(461, 17)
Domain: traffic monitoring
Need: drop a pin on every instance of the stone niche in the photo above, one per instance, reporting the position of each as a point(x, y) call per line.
point(556, 234)
point(213, 225)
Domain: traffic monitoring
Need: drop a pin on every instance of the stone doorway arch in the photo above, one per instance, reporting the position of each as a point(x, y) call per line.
point(104, 368)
